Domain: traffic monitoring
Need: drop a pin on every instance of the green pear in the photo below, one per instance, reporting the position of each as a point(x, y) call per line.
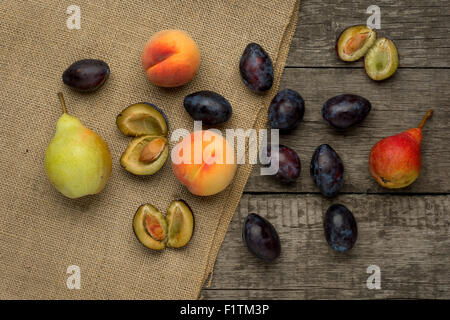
point(77, 160)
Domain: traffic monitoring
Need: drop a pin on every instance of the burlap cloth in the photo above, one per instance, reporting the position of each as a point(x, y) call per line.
point(42, 232)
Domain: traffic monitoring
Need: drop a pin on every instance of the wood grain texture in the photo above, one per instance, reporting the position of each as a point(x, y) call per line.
point(397, 105)
point(405, 232)
point(420, 30)
point(406, 236)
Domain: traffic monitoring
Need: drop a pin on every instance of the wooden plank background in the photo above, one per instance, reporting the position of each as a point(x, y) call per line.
point(405, 232)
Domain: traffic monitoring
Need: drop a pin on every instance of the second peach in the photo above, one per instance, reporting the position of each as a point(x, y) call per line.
point(204, 162)
point(171, 58)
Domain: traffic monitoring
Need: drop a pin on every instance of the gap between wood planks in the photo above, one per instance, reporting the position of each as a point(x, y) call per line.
point(407, 237)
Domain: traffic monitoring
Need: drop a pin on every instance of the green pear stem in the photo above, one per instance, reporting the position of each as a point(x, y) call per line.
point(422, 123)
point(63, 103)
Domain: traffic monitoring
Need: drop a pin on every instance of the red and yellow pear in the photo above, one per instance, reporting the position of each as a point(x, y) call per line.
point(395, 161)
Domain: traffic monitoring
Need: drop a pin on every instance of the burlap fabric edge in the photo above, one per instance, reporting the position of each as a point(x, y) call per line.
point(260, 122)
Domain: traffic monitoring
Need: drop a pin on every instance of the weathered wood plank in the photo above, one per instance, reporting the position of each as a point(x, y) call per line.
point(421, 31)
point(397, 105)
point(406, 236)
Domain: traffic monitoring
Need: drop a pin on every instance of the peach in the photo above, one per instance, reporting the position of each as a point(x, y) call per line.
point(171, 58)
point(204, 162)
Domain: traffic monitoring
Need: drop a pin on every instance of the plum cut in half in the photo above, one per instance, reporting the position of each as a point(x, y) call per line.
point(145, 155)
point(381, 61)
point(156, 232)
point(149, 150)
point(180, 221)
point(354, 42)
point(142, 119)
point(150, 227)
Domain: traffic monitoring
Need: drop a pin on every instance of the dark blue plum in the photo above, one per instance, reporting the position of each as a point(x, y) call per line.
point(289, 165)
point(327, 170)
point(286, 110)
point(345, 110)
point(86, 75)
point(207, 106)
point(340, 228)
point(256, 68)
point(261, 238)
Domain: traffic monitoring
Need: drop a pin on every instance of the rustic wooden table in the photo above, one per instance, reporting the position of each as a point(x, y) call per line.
point(406, 232)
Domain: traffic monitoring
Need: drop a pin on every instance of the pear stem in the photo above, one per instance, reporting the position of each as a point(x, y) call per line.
point(63, 103)
point(422, 123)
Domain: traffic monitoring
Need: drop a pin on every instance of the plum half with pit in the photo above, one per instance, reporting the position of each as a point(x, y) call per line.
point(261, 238)
point(156, 231)
point(381, 61)
point(150, 227)
point(149, 150)
point(354, 42)
point(286, 110)
point(145, 155)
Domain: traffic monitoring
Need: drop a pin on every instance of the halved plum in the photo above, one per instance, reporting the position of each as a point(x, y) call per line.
point(145, 155)
point(150, 227)
point(354, 42)
point(142, 119)
point(381, 61)
point(156, 232)
point(180, 221)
